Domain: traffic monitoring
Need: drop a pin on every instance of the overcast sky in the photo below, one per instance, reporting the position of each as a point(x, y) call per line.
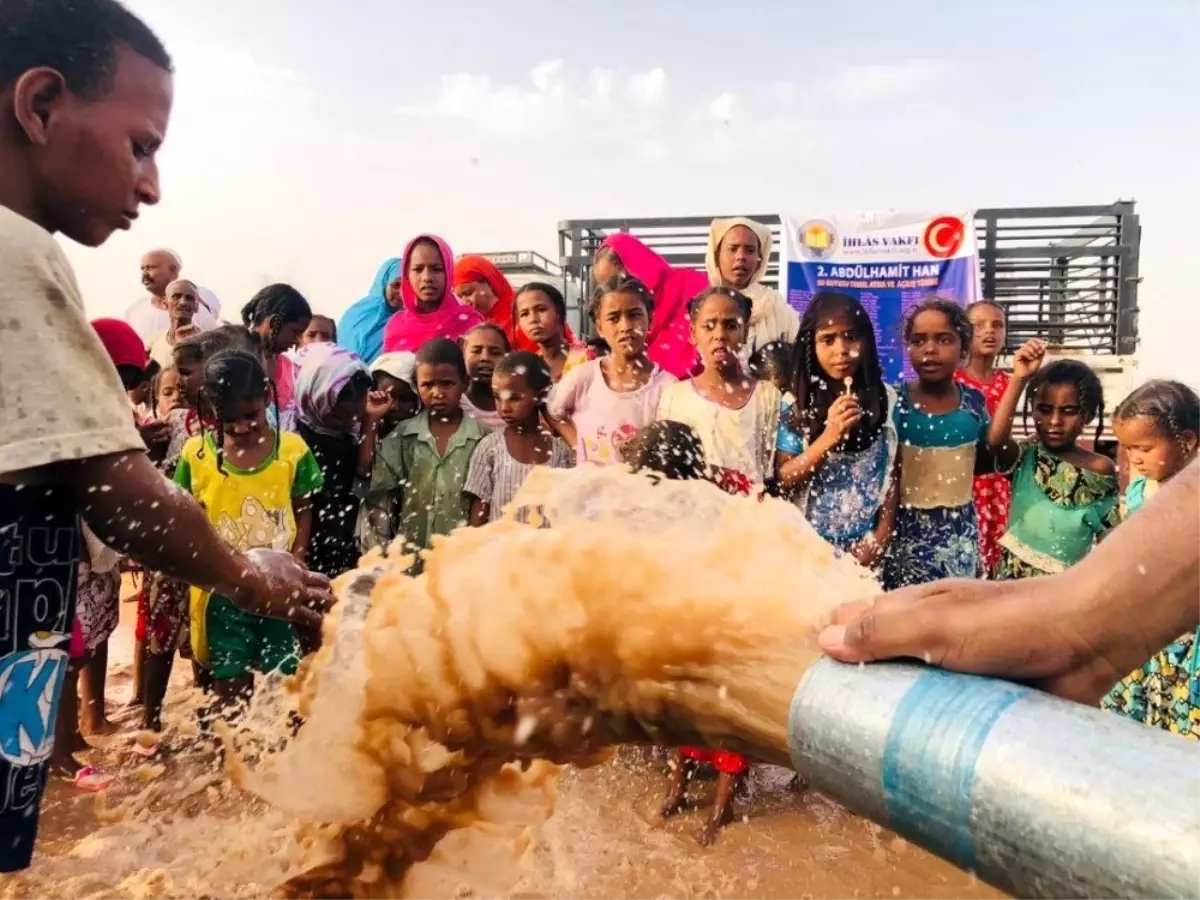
point(310, 139)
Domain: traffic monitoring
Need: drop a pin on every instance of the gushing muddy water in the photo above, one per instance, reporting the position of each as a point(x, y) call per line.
point(665, 612)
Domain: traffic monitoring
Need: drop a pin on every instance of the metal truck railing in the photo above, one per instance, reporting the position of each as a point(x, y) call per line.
point(1068, 274)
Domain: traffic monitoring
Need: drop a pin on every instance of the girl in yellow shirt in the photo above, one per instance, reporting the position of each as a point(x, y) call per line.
point(255, 484)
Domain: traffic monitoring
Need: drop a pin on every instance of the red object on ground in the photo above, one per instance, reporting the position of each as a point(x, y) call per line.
point(733, 482)
point(721, 760)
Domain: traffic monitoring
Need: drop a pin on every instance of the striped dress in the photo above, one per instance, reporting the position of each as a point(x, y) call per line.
point(495, 476)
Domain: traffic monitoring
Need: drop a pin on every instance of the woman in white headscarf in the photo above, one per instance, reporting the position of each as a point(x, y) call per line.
point(739, 251)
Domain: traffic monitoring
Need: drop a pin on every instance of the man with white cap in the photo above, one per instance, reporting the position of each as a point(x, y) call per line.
point(149, 316)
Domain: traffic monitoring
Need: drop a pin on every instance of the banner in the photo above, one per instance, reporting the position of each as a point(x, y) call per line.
point(889, 261)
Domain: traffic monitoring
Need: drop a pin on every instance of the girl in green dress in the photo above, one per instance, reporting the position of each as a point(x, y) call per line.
point(1064, 498)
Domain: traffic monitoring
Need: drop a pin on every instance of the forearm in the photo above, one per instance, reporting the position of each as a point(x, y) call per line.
point(366, 449)
point(565, 429)
point(130, 506)
point(794, 471)
point(1138, 590)
point(480, 512)
point(886, 520)
point(304, 527)
point(1000, 429)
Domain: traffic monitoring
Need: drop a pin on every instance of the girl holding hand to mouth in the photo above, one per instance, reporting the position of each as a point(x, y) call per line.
point(992, 491)
point(836, 446)
point(735, 416)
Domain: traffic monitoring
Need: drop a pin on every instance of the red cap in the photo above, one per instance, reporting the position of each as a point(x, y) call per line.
point(124, 346)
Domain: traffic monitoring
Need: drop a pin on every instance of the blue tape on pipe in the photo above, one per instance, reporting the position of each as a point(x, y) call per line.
point(933, 743)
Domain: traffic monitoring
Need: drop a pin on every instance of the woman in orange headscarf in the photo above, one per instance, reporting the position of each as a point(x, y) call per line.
point(478, 283)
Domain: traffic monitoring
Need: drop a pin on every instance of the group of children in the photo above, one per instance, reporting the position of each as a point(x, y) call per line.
point(291, 441)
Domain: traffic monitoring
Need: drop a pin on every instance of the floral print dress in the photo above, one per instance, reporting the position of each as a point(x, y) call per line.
point(1164, 693)
point(1059, 512)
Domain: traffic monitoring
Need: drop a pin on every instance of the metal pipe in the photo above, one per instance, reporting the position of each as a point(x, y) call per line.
point(1035, 795)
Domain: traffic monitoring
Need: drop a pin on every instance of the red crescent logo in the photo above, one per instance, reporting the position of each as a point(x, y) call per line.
point(944, 237)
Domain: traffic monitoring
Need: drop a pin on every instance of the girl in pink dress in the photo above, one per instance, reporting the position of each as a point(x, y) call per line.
point(993, 492)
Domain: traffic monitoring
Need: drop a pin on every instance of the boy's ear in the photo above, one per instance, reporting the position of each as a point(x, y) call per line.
point(37, 96)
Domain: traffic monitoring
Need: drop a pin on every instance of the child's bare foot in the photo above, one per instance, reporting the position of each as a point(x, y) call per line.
point(64, 765)
point(78, 744)
point(721, 817)
point(674, 801)
point(97, 726)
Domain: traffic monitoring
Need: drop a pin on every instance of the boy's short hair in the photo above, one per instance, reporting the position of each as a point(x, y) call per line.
point(442, 352)
point(79, 39)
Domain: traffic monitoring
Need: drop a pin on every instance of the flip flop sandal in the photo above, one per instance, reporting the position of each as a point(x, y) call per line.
point(146, 751)
point(92, 780)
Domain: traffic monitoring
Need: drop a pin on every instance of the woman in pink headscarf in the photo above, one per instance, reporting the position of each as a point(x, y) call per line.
point(430, 309)
point(669, 340)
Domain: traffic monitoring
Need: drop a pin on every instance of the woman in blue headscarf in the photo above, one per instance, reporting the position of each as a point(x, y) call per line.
point(361, 328)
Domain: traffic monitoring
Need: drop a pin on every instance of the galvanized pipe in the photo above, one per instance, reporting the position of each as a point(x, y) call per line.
point(1037, 796)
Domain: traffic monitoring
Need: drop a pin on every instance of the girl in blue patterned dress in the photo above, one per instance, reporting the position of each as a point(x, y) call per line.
point(836, 445)
point(942, 427)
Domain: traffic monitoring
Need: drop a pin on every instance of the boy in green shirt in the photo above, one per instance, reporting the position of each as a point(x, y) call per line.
point(425, 459)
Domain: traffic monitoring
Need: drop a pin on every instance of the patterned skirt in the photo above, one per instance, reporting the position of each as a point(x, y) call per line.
point(993, 496)
point(167, 609)
point(932, 544)
point(97, 604)
point(1165, 692)
point(1013, 568)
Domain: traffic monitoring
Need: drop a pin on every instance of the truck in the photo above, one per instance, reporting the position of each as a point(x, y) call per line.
point(1066, 274)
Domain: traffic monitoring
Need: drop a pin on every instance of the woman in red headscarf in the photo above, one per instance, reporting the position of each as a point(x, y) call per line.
point(479, 283)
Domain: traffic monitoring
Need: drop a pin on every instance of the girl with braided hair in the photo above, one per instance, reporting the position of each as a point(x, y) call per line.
point(279, 315)
point(1064, 497)
point(255, 483)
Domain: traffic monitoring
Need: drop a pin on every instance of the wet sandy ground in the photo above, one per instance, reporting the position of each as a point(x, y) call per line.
point(605, 839)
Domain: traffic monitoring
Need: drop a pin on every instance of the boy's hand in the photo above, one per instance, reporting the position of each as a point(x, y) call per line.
point(276, 586)
point(379, 404)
